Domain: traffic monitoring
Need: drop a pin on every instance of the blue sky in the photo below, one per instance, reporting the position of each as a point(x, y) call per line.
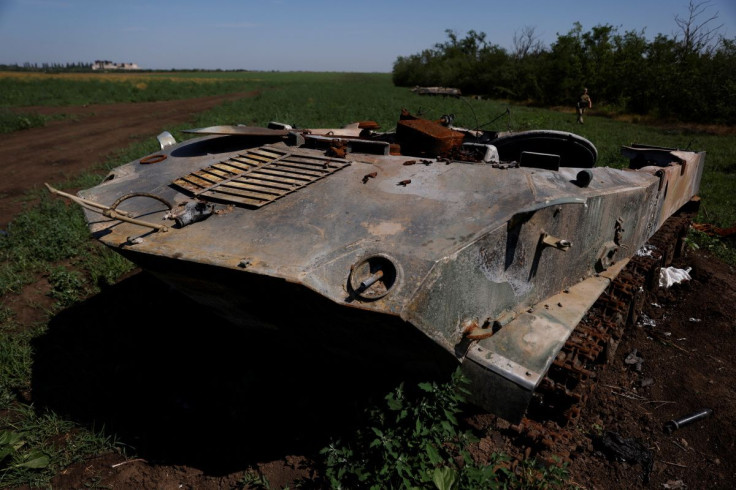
point(317, 35)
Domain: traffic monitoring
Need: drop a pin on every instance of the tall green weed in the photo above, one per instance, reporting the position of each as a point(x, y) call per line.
point(415, 441)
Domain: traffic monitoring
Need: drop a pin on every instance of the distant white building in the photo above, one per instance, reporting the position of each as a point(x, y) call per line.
point(109, 65)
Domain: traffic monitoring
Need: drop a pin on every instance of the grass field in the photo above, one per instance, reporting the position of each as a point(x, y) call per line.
point(51, 240)
point(332, 99)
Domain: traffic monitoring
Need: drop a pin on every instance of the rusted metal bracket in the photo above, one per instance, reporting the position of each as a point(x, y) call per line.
point(555, 242)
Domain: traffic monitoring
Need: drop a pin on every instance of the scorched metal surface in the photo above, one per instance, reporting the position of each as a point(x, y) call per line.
point(495, 261)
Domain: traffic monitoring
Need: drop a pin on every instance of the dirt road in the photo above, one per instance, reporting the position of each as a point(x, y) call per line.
point(72, 145)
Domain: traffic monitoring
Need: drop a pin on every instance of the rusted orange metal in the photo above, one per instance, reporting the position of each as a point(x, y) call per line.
point(426, 138)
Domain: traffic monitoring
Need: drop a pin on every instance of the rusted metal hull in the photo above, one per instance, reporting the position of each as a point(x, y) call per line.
point(495, 263)
point(444, 91)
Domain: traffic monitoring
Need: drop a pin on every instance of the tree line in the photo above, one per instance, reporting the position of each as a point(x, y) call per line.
point(690, 76)
point(49, 67)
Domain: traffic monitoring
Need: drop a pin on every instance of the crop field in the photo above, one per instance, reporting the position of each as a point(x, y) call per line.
point(52, 273)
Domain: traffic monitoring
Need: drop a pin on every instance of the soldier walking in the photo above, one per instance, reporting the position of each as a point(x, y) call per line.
point(583, 103)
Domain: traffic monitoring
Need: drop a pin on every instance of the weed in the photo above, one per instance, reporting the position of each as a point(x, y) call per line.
point(416, 442)
point(698, 240)
point(11, 121)
point(49, 233)
point(11, 444)
point(597, 429)
point(38, 445)
point(67, 286)
point(532, 475)
point(15, 363)
point(255, 480)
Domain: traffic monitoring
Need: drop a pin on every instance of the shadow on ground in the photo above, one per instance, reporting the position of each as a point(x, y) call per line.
point(181, 386)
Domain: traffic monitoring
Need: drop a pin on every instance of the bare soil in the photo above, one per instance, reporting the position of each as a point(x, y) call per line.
point(201, 402)
point(64, 148)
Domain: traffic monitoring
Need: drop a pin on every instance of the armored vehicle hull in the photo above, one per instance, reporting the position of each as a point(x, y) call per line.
point(495, 261)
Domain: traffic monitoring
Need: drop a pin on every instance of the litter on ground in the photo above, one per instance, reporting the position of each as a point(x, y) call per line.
point(672, 275)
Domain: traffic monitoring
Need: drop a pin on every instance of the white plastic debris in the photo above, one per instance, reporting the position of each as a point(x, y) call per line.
point(695, 320)
point(672, 275)
point(634, 359)
point(674, 485)
point(646, 251)
point(645, 321)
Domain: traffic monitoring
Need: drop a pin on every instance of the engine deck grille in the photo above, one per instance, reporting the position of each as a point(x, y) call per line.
point(259, 176)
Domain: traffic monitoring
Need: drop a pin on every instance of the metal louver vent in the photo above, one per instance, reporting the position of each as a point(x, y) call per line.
point(259, 176)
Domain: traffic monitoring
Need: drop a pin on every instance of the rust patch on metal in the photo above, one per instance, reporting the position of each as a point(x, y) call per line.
point(370, 125)
point(152, 159)
point(337, 149)
point(369, 176)
point(424, 137)
point(259, 176)
point(384, 228)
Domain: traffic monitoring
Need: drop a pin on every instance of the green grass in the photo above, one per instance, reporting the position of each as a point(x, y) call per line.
point(10, 121)
point(416, 441)
point(36, 446)
point(35, 91)
point(47, 239)
point(50, 240)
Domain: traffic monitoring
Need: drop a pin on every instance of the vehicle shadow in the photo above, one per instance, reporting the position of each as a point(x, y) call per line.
point(179, 385)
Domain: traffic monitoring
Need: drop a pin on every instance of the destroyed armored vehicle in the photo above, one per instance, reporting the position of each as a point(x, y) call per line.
point(493, 245)
point(446, 91)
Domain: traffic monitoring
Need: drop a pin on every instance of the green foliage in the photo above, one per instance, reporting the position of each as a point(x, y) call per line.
point(415, 441)
point(10, 445)
point(697, 240)
point(406, 444)
point(253, 479)
point(623, 70)
point(11, 121)
point(28, 91)
point(47, 233)
point(33, 447)
point(67, 286)
point(15, 363)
